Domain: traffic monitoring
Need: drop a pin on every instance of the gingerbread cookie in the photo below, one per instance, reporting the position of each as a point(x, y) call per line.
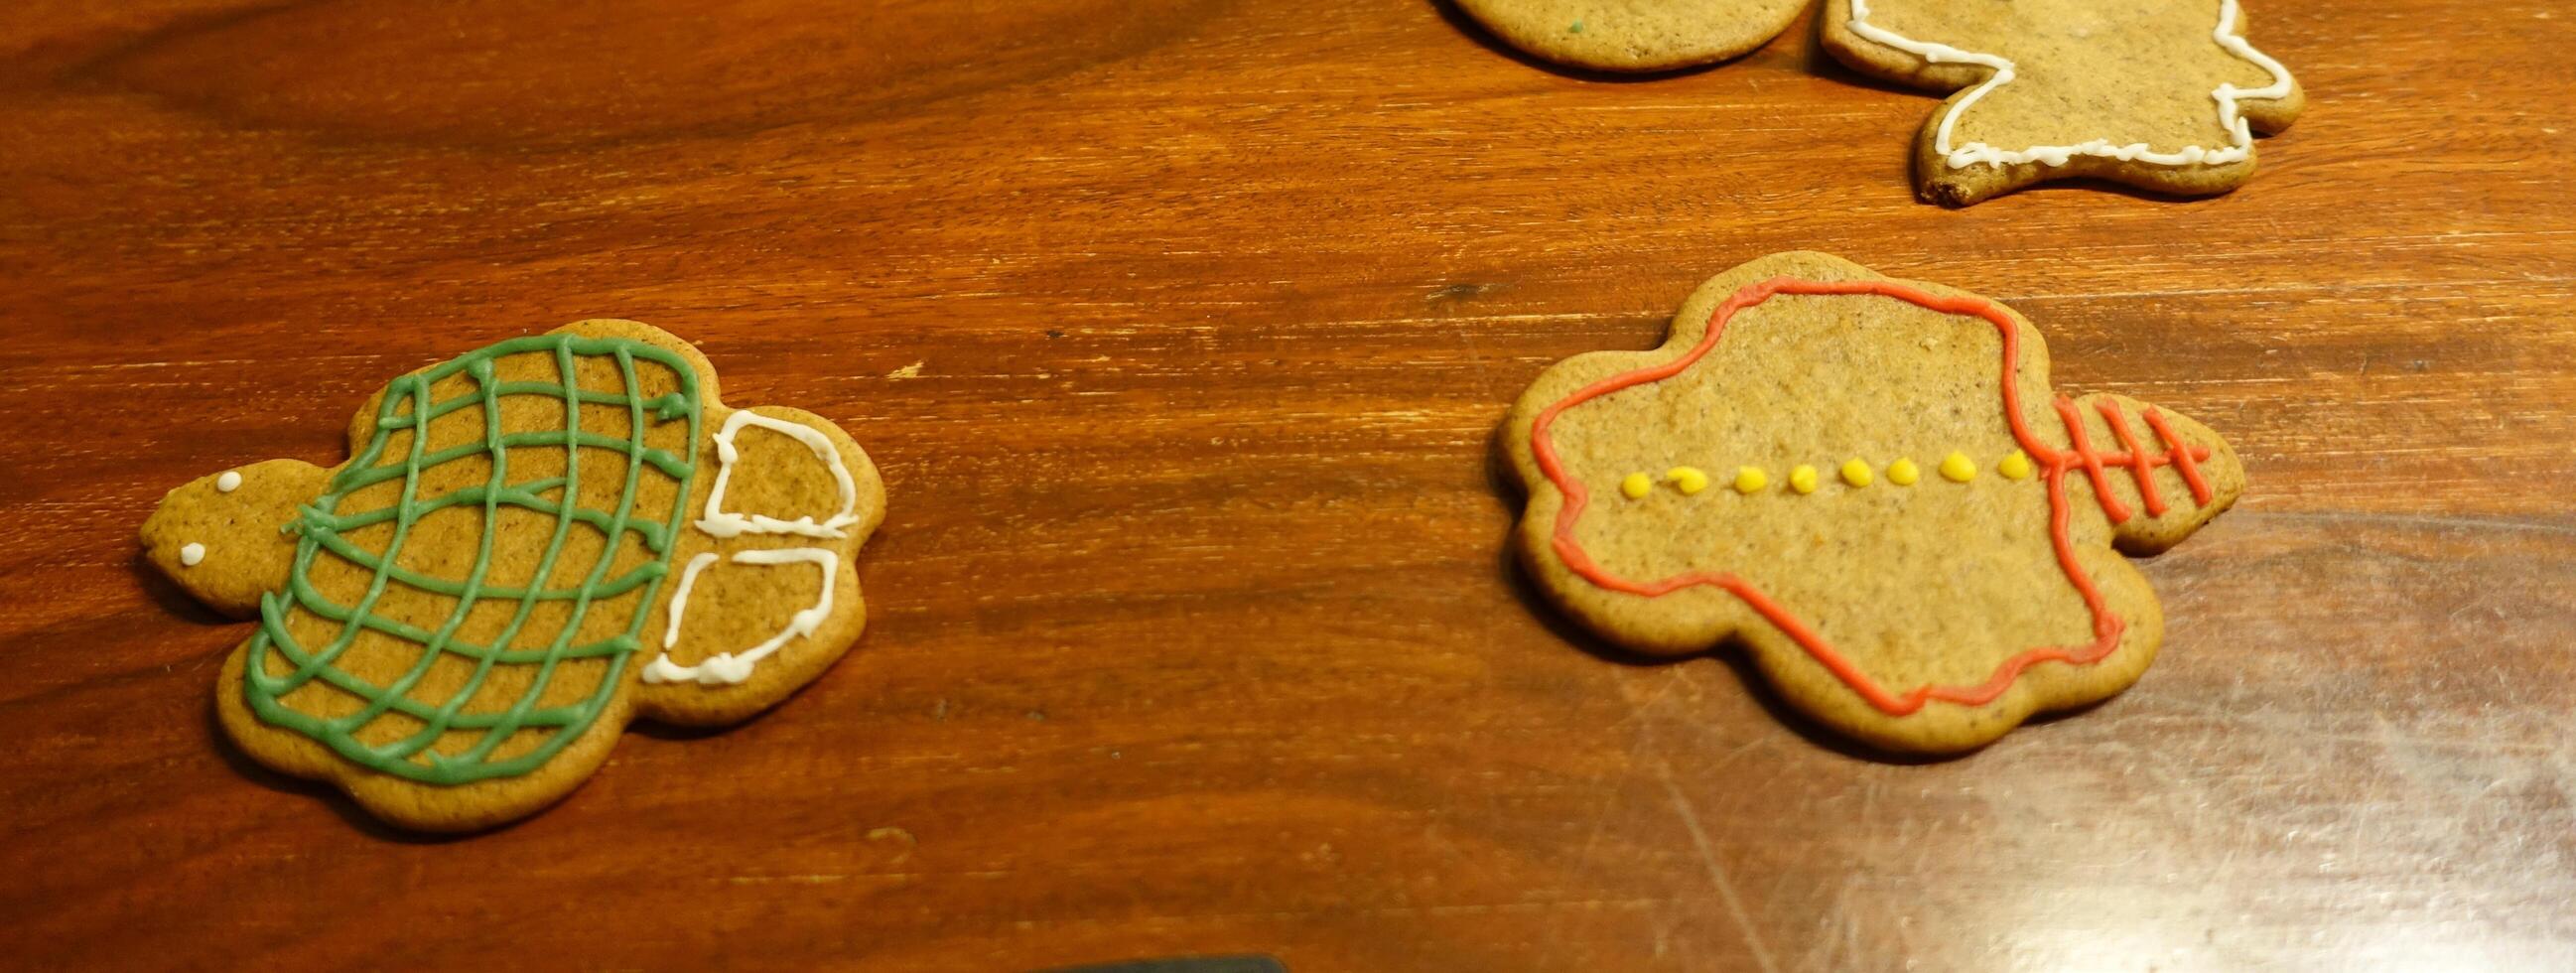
point(1635, 35)
point(532, 545)
point(2164, 94)
point(1869, 485)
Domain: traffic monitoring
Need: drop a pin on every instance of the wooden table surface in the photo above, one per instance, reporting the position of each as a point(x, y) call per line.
point(1180, 329)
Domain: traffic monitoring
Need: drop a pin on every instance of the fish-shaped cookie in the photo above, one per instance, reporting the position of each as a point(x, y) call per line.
point(1870, 485)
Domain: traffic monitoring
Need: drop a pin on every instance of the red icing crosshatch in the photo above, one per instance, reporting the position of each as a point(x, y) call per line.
point(2054, 464)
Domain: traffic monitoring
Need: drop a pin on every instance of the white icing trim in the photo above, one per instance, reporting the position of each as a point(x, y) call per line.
point(228, 482)
point(190, 554)
point(725, 523)
point(1976, 153)
point(731, 668)
point(680, 597)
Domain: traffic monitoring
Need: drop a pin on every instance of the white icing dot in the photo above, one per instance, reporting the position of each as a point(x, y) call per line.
point(191, 554)
point(229, 482)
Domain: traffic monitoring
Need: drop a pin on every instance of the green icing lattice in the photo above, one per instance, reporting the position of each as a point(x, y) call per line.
point(322, 524)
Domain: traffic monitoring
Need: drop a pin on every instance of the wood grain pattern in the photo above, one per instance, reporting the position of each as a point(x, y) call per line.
point(1180, 329)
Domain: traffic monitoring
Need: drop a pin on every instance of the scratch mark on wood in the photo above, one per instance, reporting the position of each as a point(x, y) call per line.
point(1716, 872)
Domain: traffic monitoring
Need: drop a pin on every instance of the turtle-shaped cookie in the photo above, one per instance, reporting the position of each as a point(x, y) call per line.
point(533, 544)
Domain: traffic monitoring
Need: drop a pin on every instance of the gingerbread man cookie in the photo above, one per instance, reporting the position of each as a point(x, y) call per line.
point(532, 545)
point(1635, 35)
point(1869, 485)
point(2161, 94)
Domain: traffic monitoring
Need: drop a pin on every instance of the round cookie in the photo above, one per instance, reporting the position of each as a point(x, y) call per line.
point(1635, 35)
point(2163, 95)
point(1869, 485)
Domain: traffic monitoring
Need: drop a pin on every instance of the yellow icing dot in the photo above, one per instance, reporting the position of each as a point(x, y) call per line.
point(2015, 466)
point(1903, 473)
point(1750, 479)
point(1856, 473)
point(1689, 480)
point(1958, 468)
point(1803, 479)
point(1636, 486)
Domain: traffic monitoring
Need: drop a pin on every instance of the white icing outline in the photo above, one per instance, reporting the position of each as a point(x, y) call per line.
point(228, 482)
point(191, 554)
point(729, 668)
point(720, 522)
point(680, 597)
point(1975, 153)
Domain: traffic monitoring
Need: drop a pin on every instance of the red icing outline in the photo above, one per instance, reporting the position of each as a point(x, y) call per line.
point(2145, 473)
point(2183, 460)
point(2092, 461)
point(2107, 627)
